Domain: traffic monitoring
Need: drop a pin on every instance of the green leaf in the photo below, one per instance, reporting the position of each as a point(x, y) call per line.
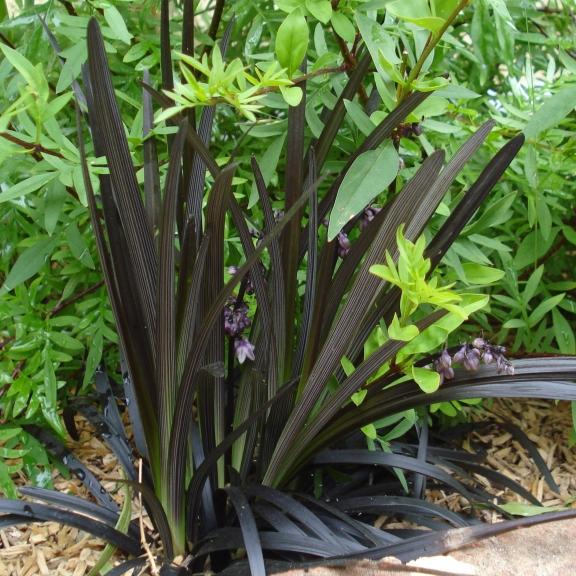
point(78, 247)
point(94, 357)
point(343, 27)
point(514, 323)
point(500, 8)
point(443, 8)
point(563, 333)
point(290, 5)
point(402, 333)
point(389, 69)
point(552, 112)
point(55, 196)
point(33, 76)
point(75, 57)
point(437, 334)
point(116, 22)
point(358, 397)
point(430, 85)
point(7, 486)
point(12, 453)
point(543, 308)
point(347, 366)
point(268, 164)
point(292, 95)
point(292, 41)
point(428, 380)
point(50, 384)
point(569, 234)
point(65, 341)
point(416, 12)
point(378, 40)
point(532, 285)
point(369, 175)
point(532, 248)
point(359, 117)
point(521, 509)
point(479, 274)
point(370, 431)
point(29, 263)
point(8, 433)
point(27, 186)
point(320, 9)
point(136, 52)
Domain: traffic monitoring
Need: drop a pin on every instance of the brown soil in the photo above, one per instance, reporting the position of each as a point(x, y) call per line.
point(50, 549)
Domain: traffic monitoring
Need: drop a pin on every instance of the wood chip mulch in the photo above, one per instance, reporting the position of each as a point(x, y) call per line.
point(51, 549)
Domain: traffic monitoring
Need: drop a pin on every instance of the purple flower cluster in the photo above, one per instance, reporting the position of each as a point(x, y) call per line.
point(368, 215)
point(236, 320)
point(243, 349)
point(343, 244)
point(470, 356)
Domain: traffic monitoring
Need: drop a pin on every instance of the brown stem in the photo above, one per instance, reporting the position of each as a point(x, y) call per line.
point(350, 61)
point(6, 40)
point(64, 303)
point(34, 148)
point(69, 7)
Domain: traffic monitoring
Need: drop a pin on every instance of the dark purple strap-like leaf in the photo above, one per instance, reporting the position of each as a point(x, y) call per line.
point(442, 542)
point(77, 504)
point(278, 520)
point(165, 50)
point(276, 276)
point(44, 513)
point(249, 530)
point(133, 344)
point(83, 473)
point(151, 173)
point(188, 27)
point(166, 373)
point(417, 202)
point(370, 533)
point(307, 519)
point(188, 384)
point(376, 505)
point(105, 117)
point(157, 515)
point(473, 199)
point(372, 457)
point(423, 436)
point(311, 269)
point(231, 539)
point(553, 378)
point(200, 475)
point(115, 441)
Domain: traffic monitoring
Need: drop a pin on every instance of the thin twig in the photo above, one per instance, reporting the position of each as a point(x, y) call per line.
point(34, 148)
point(64, 303)
point(6, 40)
point(350, 61)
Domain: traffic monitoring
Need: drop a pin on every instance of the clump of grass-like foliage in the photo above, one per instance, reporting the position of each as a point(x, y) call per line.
point(246, 424)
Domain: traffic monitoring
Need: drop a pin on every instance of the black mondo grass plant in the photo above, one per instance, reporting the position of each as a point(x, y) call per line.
point(256, 403)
